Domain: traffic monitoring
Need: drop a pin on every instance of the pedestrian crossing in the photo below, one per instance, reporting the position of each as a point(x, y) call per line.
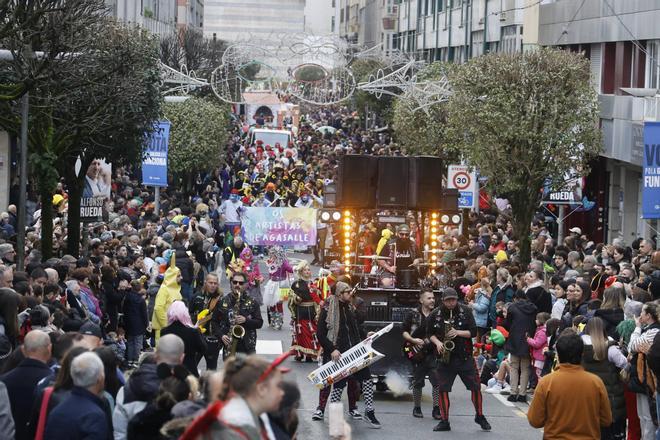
point(269, 347)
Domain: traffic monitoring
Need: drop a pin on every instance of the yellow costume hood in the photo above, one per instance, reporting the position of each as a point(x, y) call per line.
point(170, 276)
point(385, 237)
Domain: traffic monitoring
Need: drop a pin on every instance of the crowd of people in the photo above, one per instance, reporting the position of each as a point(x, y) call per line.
point(110, 344)
point(511, 320)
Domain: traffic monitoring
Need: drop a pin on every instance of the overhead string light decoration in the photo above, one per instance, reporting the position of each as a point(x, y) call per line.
point(311, 69)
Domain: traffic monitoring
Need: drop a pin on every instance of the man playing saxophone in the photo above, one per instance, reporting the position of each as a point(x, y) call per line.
point(453, 324)
point(238, 317)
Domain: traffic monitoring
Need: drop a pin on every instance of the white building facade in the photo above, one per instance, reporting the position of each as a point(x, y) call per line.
point(233, 20)
point(157, 16)
point(322, 17)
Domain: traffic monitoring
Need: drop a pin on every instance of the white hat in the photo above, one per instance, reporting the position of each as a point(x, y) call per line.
point(576, 230)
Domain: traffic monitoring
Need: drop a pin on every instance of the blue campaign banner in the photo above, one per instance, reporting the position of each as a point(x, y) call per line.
point(154, 164)
point(651, 177)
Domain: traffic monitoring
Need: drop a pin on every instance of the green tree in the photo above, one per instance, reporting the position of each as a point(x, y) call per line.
point(363, 71)
point(422, 131)
point(111, 117)
point(97, 104)
point(197, 138)
point(524, 120)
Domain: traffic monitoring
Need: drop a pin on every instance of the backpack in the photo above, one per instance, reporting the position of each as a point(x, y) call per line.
point(635, 383)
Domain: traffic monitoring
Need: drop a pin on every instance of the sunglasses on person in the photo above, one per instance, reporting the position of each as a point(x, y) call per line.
point(240, 283)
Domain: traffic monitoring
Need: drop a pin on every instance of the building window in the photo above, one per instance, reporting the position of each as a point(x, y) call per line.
point(652, 64)
point(477, 43)
point(509, 39)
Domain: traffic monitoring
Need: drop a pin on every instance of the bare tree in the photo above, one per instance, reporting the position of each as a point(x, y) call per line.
point(43, 35)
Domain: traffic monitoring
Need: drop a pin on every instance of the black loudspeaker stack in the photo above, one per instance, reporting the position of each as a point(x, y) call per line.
point(425, 183)
point(393, 179)
point(357, 182)
point(390, 182)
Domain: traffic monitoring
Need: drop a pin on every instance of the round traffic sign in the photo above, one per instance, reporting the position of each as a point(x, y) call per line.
point(462, 180)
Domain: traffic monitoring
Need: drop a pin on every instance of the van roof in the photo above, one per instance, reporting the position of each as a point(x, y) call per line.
point(270, 130)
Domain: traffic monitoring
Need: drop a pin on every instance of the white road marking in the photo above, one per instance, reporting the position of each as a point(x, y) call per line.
point(269, 347)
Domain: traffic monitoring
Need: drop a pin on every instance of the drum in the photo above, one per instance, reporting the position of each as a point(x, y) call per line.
point(407, 279)
point(372, 280)
point(386, 280)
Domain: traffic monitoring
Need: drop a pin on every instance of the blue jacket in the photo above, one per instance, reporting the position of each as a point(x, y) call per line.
point(21, 384)
point(480, 309)
point(82, 416)
point(91, 308)
point(498, 294)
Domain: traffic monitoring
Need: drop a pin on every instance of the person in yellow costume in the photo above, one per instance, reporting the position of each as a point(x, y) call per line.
point(385, 236)
point(169, 292)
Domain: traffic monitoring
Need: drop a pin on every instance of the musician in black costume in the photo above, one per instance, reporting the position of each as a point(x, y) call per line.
point(246, 313)
point(405, 254)
point(418, 350)
point(454, 322)
point(338, 331)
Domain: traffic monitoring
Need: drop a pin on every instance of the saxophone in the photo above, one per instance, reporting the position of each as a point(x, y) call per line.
point(448, 343)
point(236, 331)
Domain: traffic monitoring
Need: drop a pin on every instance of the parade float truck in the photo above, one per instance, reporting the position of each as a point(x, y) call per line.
point(391, 191)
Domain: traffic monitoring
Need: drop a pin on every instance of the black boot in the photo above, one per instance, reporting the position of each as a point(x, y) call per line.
point(417, 412)
point(481, 421)
point(436, 412)
point(443, 425)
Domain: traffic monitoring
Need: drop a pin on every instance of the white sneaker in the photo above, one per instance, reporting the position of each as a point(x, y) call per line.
point(506, 389)
point(495, 389)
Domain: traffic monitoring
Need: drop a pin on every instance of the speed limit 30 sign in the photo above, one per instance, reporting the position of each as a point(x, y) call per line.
point(465, 181)
point(461, 180)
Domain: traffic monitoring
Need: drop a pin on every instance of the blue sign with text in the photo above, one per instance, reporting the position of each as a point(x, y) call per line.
point(651, 166)
point(154, 164)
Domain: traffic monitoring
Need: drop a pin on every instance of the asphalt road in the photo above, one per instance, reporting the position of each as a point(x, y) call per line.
point(395, 413)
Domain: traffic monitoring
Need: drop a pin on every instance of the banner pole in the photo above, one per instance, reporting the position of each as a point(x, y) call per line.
point(560, 224)
point(157, 200)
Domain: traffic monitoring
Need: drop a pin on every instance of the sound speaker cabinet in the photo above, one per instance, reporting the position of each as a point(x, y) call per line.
point(425, 183)
point(357, 182)
point(393, 181)
point(449, 200)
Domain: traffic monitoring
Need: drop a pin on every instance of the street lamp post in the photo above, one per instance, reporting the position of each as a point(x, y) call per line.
point(22, 198)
